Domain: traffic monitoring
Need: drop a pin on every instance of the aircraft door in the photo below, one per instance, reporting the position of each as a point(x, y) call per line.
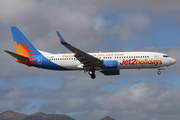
point(156, 57)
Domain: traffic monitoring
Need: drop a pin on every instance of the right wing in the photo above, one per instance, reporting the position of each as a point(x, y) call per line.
point(86, 59)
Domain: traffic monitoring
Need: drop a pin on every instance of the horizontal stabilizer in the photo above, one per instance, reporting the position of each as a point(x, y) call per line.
point(15, 55)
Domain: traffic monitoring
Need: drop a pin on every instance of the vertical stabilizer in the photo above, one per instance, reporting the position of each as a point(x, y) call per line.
point(22, 44)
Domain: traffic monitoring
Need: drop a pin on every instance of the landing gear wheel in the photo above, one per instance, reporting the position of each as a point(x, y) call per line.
point(159, 72)
point(93, 76)
point(92, 73)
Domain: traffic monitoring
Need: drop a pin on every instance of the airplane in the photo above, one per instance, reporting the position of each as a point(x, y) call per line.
point(108, 63)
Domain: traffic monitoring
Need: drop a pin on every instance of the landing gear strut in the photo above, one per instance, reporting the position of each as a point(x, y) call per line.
point(159, 72)
point(92, 73)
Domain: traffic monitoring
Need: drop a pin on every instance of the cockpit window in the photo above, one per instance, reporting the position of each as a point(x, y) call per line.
point(165, 56)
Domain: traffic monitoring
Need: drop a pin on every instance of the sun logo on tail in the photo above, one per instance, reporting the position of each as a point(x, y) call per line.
point(22, 50)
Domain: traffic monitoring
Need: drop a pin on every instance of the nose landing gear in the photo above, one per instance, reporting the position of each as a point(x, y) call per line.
point(161, 68)
point(159, 72)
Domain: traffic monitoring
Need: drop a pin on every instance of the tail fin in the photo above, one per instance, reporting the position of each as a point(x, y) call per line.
point(22, 44)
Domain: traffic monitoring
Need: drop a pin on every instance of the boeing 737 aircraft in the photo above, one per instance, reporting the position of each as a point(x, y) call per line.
point(108, 63)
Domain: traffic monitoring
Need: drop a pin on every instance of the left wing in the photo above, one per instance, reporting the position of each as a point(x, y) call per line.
point(86, 59)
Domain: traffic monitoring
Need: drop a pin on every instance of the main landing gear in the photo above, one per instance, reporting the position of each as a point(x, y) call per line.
point(92, 73)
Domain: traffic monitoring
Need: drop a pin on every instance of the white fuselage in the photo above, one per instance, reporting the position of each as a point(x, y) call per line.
point(126, 60)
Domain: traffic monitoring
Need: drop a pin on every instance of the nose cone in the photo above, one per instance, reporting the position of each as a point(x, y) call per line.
point(173, 61)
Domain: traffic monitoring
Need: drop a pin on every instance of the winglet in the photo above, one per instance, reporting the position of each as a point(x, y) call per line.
point(60, 38)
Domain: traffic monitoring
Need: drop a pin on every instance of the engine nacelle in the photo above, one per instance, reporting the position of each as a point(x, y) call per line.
point(111, 72)
point(111, 64)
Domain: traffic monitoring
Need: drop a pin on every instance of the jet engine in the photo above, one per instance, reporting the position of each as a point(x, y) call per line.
point(111, 64)
point(111, 72)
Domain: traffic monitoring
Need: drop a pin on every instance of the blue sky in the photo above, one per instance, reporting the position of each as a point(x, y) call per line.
point(92, 26)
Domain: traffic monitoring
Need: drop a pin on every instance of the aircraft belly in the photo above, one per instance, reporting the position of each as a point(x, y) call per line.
point(128, 67)
point(68, 64)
